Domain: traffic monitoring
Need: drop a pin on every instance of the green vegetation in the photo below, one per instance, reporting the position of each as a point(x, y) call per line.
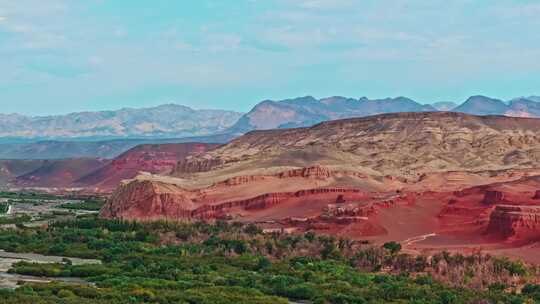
point(27, 195)
point(393, 247)
point(88, 205)
point(164, 262)
point(18, 220)
point(4, 207)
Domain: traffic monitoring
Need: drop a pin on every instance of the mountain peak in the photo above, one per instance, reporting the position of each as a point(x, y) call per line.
point(483, 105)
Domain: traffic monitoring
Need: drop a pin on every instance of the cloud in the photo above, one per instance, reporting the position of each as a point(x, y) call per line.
point(521, 11)
point(292, 38)
point(324, 4)
point(68, 49)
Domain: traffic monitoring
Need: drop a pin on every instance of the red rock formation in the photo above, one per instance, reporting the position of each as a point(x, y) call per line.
point(240, 180)
point(310, 172)
point(340, 199)
point(146, 200)
point(515, 223)
point(195, 166)
point(493, 197)
point(537, 195)
point(315, 172)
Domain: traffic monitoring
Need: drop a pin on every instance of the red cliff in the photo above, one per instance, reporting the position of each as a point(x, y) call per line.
point(492, 197)
point(515, 223)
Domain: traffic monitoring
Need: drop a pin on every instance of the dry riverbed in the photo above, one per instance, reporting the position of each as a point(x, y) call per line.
point(7, 259)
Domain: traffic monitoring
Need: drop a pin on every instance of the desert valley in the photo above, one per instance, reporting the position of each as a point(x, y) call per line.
point(269, 152)
point(429, 180)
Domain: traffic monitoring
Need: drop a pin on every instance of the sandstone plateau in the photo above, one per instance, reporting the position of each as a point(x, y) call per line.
point(430, 180)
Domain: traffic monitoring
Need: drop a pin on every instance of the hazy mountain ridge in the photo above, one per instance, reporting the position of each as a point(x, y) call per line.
point(168, 120)
point(177, 121)
point(160, 124)
point(518, 107)
point(307, 111)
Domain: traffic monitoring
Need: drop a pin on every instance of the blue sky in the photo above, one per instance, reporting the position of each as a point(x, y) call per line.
point(59, 56)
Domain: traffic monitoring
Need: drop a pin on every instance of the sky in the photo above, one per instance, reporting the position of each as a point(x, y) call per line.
point(60, 56)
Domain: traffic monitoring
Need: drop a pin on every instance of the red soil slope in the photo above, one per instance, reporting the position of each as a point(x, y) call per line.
point(338, 202)
point(10, 169)
point(507, 211)
point(148, 158)
point(59, 173)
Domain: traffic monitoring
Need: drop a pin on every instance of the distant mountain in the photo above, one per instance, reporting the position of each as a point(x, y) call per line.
point(534, 98)
point(83, 133)
point(524, 107)
point(444, 105)
point(307, 111)
point(519, 107)
point(482, 105)
point(162, 121)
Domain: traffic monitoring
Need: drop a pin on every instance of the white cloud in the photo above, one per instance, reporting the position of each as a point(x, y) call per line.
point(291, 38)
point(324, 4)
point(95, 60)
point(183, 46)
point(521, 11)
point(223, 42)
point(120, 32)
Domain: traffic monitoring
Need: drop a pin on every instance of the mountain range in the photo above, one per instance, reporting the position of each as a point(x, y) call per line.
point(177, 121)
point(168, 120)
point(81, 134)
point(307, 111)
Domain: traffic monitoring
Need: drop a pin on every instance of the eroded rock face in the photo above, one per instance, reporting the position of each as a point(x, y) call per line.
point(315, 172)
point(515, 223)
point(150, 199)
point(537, 195)
point(194, 166)
point(147, 200)
point(492, 197)
point(310, 172)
